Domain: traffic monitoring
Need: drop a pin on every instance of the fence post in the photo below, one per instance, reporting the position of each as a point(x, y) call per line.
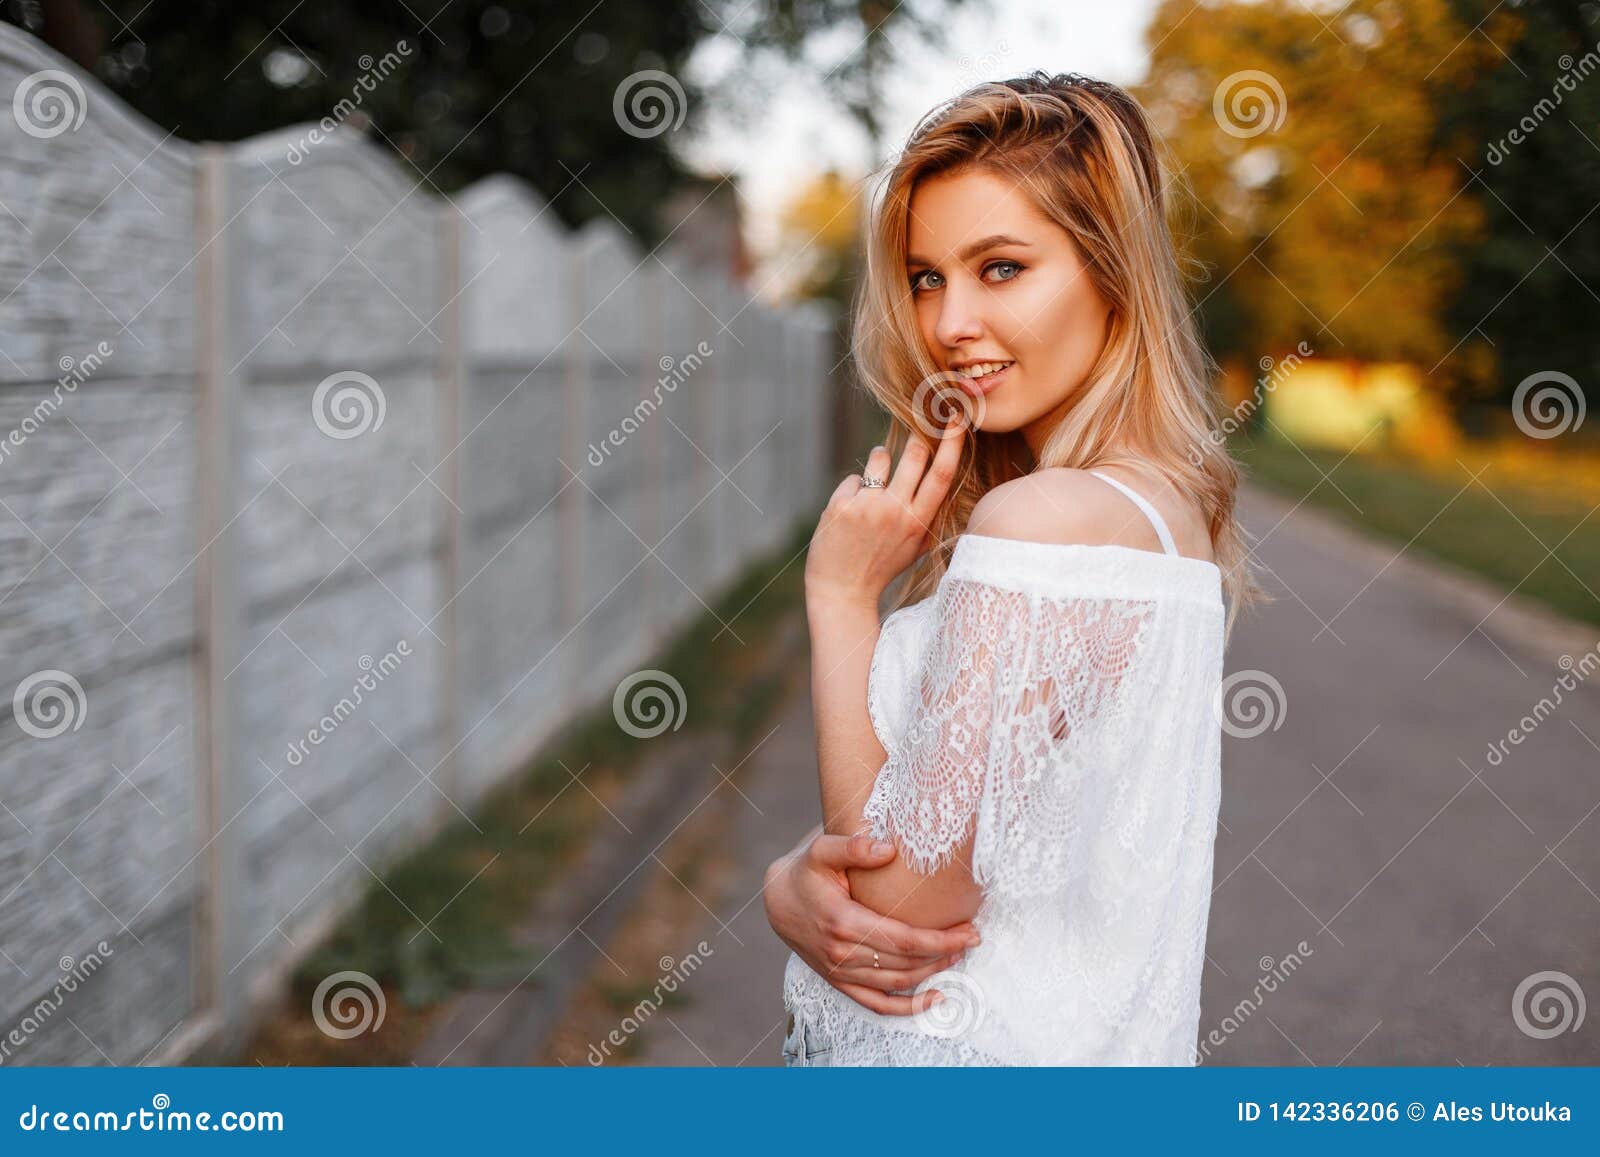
point(221, 882)
point(572, 500)
point(452, 381)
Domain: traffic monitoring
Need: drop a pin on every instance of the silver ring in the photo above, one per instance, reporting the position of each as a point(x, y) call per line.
point(868, 482)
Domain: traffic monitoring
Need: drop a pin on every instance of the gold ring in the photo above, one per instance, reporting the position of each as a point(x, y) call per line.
point(875, 960)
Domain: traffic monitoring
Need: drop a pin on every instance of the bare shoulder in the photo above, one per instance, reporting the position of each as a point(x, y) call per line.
point(1065, 505)
point(1061, 505)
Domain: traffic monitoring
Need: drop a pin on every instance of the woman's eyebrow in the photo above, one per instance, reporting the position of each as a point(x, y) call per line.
point(993, 241)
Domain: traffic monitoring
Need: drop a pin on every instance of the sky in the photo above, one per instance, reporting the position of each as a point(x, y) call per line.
point(799, 135)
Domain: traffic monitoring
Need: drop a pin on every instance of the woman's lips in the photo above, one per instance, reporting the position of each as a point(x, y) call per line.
point(987, 383)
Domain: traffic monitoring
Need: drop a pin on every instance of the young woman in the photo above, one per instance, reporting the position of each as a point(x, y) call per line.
point(1031, 737)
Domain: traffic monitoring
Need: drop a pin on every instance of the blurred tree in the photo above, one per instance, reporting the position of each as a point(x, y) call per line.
point(1528, 130)
point(797, 31)
point(475, 87)
point(816, 248)
point(521, 86)
point(1325, 208)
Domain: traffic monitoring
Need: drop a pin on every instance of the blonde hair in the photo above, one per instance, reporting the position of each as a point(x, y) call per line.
point(1084, 152)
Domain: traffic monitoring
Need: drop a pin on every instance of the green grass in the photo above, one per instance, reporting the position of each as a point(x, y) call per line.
point(1497, 530)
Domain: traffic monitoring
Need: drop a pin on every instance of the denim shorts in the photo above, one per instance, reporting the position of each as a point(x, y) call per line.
point(803, 1046)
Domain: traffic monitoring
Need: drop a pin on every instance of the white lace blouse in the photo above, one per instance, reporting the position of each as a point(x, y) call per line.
point(1055, 703)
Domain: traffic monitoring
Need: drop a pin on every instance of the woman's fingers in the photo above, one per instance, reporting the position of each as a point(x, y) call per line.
point(841, 852)
point(906, 475)
point(888, 1005)
point(861, 925)
point(877, 464)
point(887, 979)
point(860, 956)
point(941, 472)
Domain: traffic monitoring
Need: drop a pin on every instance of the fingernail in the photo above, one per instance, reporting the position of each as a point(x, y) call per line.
point(938, 998)
point(879, 847)
point(974, 940)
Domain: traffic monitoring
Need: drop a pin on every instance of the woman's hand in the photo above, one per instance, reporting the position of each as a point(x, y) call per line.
point(809, 907)
point(867, 535)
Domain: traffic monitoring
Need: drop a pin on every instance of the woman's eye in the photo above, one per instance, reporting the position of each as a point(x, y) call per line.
point(919, 280)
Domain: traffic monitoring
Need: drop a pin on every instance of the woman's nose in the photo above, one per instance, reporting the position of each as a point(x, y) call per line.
point(959, 322)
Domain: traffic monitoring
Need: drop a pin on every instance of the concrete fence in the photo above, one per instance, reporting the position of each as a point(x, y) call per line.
point(324, 500)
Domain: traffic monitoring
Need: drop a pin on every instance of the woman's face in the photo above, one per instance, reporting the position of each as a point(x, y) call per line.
point(993, 280)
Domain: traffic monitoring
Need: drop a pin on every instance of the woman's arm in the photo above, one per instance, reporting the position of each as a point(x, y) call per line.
point(843, 636)
point(865, 955)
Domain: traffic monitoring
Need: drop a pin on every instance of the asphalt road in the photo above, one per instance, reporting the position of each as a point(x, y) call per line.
point(1448, 904)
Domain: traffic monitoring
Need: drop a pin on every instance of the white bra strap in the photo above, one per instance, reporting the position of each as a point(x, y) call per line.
point(1150, 511)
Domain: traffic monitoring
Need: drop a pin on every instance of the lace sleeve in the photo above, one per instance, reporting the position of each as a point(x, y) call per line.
point(1003, 715)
